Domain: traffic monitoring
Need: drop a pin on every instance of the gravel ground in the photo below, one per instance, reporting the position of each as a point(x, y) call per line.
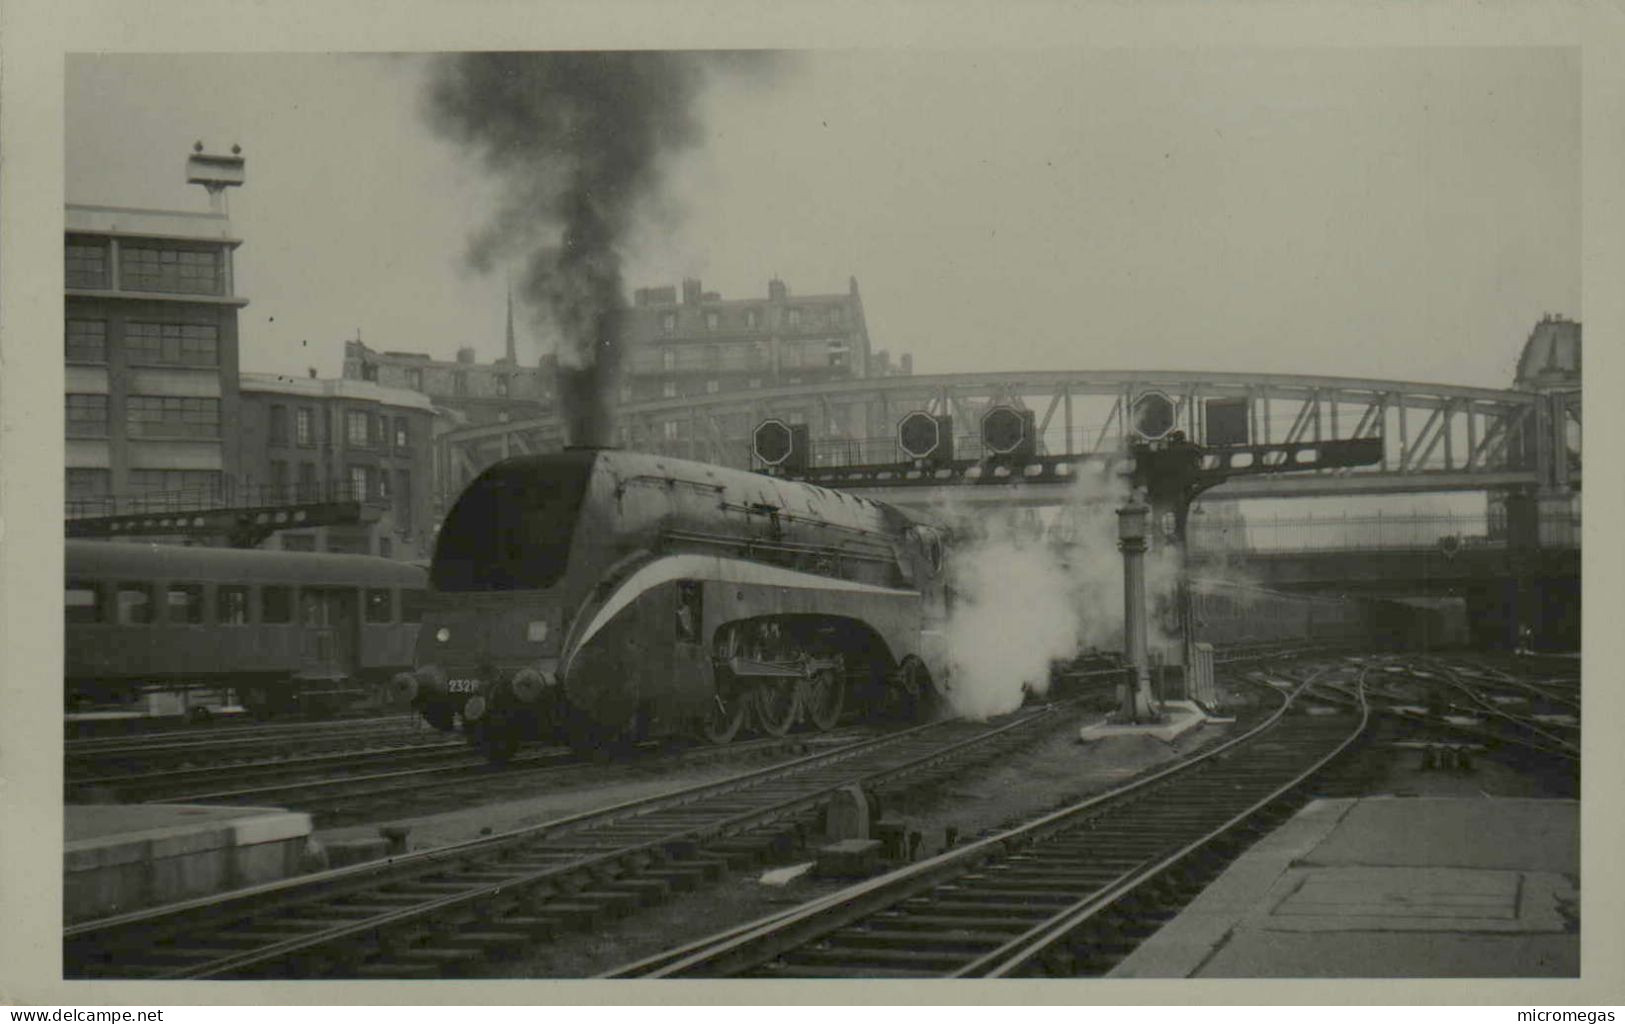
point(1057, 770)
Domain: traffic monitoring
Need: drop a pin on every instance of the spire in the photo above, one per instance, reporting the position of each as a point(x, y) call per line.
point(513, 358)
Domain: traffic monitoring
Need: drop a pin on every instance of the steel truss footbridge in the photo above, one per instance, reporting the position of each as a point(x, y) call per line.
point(1435, 437)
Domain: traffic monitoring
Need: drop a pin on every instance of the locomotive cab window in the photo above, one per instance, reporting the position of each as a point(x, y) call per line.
point(134, 604)
point(231, 606)
point(380, 605)
point(84, 602)
point(184, 603)
point(276, 605)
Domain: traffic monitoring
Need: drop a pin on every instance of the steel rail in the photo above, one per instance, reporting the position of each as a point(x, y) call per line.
point(580, 861)
point(1023, 950)
point(526, 880)
point(763, 940)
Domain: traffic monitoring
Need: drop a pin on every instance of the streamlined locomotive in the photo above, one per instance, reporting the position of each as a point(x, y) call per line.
point(594, 596)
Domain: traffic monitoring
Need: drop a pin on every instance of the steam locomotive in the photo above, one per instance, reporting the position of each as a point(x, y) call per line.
point(594, 596)
point(597, 596)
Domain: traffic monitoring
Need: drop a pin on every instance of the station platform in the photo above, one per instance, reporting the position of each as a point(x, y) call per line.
point(122, 857)
point(1388, 887)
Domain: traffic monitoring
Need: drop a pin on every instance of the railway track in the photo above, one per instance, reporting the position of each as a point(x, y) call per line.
point(451, 909)
point(1439, 697)
point(89, 761)
point(1067, 894)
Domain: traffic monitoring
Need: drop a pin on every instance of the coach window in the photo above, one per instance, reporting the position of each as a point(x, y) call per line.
point(84, 602)
point(134, 604)
point(231, 606)
point(185, 603)
point(276, 605)
point(379, 605)
point(412, 605)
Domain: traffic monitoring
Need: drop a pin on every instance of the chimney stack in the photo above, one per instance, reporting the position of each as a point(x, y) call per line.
point(691, 291)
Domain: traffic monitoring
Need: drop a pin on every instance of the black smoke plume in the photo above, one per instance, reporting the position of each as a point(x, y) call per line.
point(580, 142)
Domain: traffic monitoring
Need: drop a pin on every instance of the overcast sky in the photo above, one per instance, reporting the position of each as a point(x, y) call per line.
point(1388, 213)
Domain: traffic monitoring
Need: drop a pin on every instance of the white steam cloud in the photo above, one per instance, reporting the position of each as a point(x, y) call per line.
point(1026, 597)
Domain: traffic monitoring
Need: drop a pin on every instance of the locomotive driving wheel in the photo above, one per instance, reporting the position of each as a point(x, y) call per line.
point(727, 712)
point(776, 702)
point(824, 697)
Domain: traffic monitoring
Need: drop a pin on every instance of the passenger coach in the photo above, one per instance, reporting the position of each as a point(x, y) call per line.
point(285, 630)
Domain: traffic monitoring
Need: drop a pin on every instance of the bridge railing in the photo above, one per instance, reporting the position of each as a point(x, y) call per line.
point(225, 495)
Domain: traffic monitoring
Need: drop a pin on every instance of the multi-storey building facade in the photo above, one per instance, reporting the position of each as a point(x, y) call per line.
point(308, 440)
point(709, 345)
point(151, 355)
point(705, 345)
point(474, 393)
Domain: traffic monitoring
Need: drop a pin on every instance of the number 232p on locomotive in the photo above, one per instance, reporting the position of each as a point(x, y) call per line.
point(595, 596)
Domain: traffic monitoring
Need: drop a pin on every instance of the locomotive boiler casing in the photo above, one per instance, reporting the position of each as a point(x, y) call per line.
point(632, 564)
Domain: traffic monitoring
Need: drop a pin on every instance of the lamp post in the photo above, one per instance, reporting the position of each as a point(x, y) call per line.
point(1134, 695)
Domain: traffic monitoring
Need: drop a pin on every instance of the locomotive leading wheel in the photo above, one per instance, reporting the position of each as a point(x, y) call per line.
point(777, 704)
point(727, 714)
point(824, 697)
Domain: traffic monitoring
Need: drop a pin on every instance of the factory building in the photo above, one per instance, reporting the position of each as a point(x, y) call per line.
point(151, 352)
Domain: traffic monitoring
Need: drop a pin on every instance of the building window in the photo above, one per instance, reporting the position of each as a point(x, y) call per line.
point(386, 548)
point(668, 360)
point(668, 389)
point(755, 382)
point(459, 383)
point(668, 429)
point(837, 315)
point(752, 319)
point(134, 604)
point(711, 320)
point(795, 317)
point(174, 488)
point(231, 605)
point(154, 416)
point(626, 393)
point(369, 371)
point(84, 602)
point(403, 498)
point(87, 341)
point(152, 268)
point(668, 322)
point(86, 263)
point(184, 604)
point(304, 427)
point(355, 432)
point(414, 379)
point(87, 484)
point(307, 482)
point(360, 483)
point(375, 430)
point(712, 387)
point(403, 432)
point(383, 484)
point(279, 481)
point(279, 424)
point(87, 415)
point(172, 344)
point(502, 386)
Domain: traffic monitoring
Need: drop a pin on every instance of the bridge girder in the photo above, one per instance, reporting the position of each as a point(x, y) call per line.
point(1436, 436)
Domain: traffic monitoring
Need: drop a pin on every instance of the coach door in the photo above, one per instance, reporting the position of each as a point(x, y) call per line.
point(328, 618)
